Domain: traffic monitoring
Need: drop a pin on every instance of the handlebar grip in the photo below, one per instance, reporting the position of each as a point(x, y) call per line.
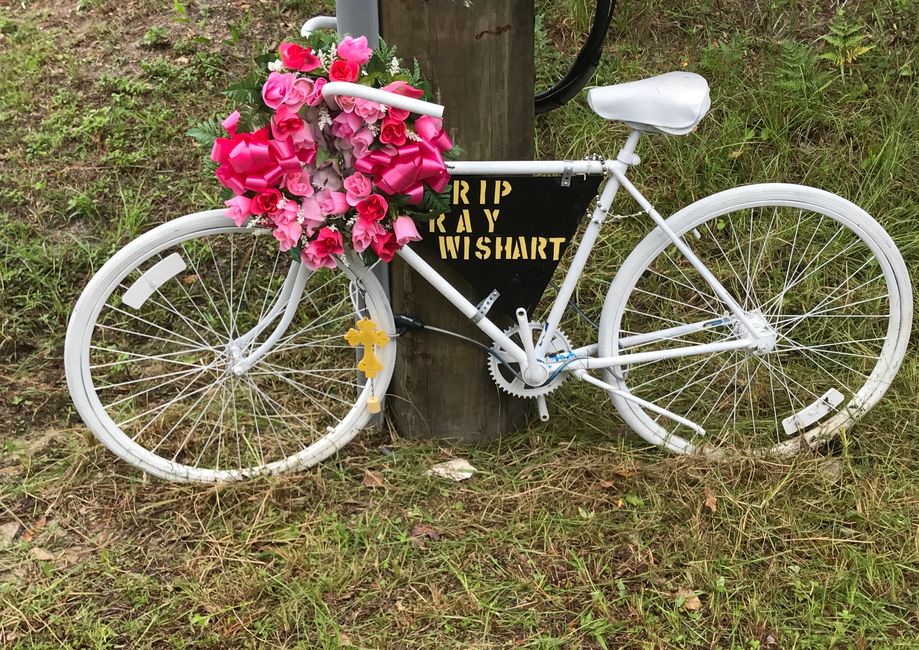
point(383, 97)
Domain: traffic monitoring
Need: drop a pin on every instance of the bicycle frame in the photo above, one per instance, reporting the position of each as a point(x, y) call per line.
point(531, 356)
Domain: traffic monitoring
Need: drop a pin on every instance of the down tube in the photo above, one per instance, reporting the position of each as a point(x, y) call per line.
point(459, 301)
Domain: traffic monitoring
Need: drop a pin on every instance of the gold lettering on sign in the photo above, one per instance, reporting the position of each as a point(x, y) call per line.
point(464, 241)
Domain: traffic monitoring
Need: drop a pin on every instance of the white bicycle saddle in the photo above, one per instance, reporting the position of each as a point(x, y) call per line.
point(672, 103)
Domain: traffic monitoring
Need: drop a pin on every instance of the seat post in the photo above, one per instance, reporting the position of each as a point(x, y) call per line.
point(627, 155)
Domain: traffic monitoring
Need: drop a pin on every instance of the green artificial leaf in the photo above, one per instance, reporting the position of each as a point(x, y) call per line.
point(204, 133)
point(247, 90)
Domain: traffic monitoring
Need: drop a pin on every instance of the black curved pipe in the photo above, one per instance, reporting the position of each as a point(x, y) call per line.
point(584, 65)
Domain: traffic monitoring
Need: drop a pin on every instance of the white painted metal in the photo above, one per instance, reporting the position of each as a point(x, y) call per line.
point(335, 88)
point(694, 216)
point(106, 281)
point(142, 288)
point(806, 417)
point(318, 22)
point(527, 167)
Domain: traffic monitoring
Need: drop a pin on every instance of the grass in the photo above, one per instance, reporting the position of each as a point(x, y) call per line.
point(573, 534)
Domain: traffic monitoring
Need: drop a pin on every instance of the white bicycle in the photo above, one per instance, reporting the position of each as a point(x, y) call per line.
point(763, 319)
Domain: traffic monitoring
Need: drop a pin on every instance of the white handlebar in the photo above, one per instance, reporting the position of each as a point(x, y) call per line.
point(318, 22)
point(383, 97)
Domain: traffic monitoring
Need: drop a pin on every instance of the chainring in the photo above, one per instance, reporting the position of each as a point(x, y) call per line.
point(511, 383)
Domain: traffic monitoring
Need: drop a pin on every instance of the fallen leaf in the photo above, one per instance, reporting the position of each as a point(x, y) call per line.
point(42, 554)
point(457, 469)
point(8, 532)
point(27, 536)
point(689, 599)
point(373, 479)
point(607, 484)
point(419, 531)
point(710, 501)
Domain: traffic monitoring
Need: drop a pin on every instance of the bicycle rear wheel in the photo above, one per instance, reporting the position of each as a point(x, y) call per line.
point(812, 267)
point(148, 355)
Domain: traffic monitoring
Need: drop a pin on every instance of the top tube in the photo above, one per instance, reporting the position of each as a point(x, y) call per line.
point(528, 167)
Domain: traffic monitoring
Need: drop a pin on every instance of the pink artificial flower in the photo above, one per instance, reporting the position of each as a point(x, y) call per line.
point(287, 229)
point(230, 122)
point(370, 111)
point(239, 208)
point(385, 246)
point(432, 129)
point(331, 202)
point(345, 103)
point(358, 187)
point(361, 142)
point(363, 234)
point(342, 70)
point(276, 88)
point(298, 183)
point(295, 57)
point(402, 88)
point(299, 91)
point(286, 123)
point(319, 253)
point(345, 125)
point(266, 202)
point(373, 208)
point(312, 216)
point(315, 97)
point(392, 132)
point(405, 230)
point(252, 161)
point(354, 50)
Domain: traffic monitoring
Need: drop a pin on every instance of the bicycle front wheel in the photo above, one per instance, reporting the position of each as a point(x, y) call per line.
point(153, 339)
point(811, 268)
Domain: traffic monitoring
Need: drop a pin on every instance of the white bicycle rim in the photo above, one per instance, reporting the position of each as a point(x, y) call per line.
point(84, 393)
point(661, 432)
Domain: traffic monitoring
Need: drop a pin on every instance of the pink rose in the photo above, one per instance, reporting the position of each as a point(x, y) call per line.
point(312, 216)
point(276, 88)
point(266, 201)
point(345, 125)
point(363, 233)
point(404, 89)
point(287, 229)
point(361, 142)
point(332, 202)
point(298, 93)
point(392, 132)
point(373, 208)
point(405, 230)
point(358, 187)
point(354, 50)
point(345, 103)
point(370, 111)
point(342, 70)
point(385, 246)
point(285, 124)
point(239, 208)
point(299, 183)
point(295, 57)
point(319, 253)
point(315, 97)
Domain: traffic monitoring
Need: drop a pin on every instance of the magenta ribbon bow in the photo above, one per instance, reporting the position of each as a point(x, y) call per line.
point(253, 163)
point(402, 170)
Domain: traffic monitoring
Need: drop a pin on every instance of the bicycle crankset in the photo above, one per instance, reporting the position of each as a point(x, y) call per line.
point(507, 374)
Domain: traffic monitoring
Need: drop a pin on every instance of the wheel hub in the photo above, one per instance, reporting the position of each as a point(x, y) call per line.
point(765, 333)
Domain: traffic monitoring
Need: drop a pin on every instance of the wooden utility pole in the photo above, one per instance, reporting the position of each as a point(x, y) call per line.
point(478, 54)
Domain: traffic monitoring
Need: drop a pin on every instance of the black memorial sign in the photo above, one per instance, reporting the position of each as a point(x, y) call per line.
point(509, 234)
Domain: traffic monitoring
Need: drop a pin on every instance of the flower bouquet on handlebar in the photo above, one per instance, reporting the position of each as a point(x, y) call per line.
point(324, 171)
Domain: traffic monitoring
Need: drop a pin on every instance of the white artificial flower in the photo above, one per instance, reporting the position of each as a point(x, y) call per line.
point(324, 117)
point(276, 66)
point(411, 135)
point(394, 66)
